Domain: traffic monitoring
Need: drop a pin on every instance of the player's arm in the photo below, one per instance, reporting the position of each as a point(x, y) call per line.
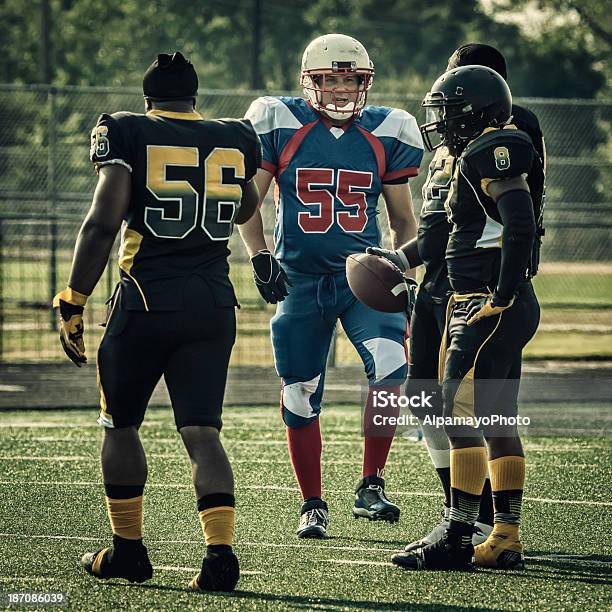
point(251, 231)
point(403, 227)
point(97, 234)
point(402, 223)
point(249, 202)
point(270, 278)
point(93, 245)
point(516, 210)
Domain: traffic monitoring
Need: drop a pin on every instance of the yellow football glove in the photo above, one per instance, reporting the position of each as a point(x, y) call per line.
point(487, 307)
point(71, 328)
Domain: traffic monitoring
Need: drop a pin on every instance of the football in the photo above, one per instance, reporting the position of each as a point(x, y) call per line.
point(376, 282)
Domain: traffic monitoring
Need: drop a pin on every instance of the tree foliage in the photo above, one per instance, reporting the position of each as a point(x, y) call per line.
point(111, 42)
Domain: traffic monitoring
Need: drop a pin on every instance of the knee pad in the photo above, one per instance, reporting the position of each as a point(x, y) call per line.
point(386, 362)
point(301, 402)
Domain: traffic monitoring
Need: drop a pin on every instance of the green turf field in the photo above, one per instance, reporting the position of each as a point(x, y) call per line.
point(51, 511)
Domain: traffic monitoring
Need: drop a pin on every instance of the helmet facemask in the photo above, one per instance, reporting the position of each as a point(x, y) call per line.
point(453, 121)
point(344, 103)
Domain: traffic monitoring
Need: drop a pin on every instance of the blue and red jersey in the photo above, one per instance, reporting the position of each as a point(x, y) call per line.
point(329, 178)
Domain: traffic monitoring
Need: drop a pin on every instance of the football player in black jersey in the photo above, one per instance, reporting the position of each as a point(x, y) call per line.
point(492, 313)
point(428, 320)
point(178, 184)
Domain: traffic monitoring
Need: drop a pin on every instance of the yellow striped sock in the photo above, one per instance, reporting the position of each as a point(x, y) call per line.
point(507, 473)
point(468, 469)
point(125, 517)
point(218, 525)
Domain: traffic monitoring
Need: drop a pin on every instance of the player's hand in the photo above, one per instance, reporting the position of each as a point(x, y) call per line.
point(411, 285)
point(71, 325)
point(270, 278)
point(397, 258)
point(487, 307)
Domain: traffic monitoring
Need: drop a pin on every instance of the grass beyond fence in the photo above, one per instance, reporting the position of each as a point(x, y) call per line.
point(576, 314)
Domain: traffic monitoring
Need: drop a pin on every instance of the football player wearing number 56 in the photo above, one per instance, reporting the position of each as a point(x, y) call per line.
point(178, 184)
point(331, 157)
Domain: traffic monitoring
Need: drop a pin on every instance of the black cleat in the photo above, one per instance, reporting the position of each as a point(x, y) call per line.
point(446, 554)
point(372, 503)
point(314, 519)
point(133, 564)
point(433, 536)
point(220, 572)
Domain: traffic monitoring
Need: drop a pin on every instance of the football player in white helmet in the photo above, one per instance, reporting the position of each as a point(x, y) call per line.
point(337, 74)
point(332, 157)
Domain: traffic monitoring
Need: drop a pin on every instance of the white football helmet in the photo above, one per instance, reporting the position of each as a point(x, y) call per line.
point(335, 54)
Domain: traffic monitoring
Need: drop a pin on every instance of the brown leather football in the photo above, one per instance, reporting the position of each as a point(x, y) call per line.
point(376, 282)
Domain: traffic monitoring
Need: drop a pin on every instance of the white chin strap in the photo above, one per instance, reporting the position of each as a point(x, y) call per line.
point(332, 113)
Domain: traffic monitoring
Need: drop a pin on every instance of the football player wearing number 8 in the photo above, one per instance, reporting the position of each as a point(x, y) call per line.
point(428, 322)
point(177, 183)
point(332, 157)
point(492, 313)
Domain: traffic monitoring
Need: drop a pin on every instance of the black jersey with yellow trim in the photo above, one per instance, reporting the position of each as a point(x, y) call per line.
point(188, 175)
point(473, 253)
point(434, 226)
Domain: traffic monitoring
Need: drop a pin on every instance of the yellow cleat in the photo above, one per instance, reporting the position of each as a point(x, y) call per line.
point(501, 550)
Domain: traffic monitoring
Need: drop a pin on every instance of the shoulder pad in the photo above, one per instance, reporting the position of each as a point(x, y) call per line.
point(398, 124)
point(269, 113)
point(500, 154)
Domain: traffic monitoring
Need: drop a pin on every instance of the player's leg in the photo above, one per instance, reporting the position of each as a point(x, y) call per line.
point(380, 340)
point(468, 453)
point(426, 330)
point(196, 374)
point(130, 362)
point(301, 334)
point(503, 548)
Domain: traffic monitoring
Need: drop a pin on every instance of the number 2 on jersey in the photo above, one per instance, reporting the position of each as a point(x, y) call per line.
point(221, 200)
point(352, 220)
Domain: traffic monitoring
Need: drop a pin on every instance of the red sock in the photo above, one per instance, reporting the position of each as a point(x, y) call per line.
point(305, 452)
point(378, 438)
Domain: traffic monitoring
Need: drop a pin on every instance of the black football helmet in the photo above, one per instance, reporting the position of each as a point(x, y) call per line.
point(462, 103)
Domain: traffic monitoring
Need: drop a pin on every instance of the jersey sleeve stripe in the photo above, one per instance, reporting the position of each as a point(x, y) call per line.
point(110, 162)
point(410, 171)
point(269, 166)
point(379, 151)
point(292, 146)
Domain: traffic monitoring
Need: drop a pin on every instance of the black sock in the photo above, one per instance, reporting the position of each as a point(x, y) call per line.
point(125, 545)
point(218, 549)
point(485, 514)
point(463, 513)
point(444, 476)
point(508, 506)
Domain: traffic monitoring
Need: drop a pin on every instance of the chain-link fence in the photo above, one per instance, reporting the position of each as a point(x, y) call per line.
point(46, 182)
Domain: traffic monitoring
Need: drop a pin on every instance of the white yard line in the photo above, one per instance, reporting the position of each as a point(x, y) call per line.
point(544, 500)
point(357, 562)
point(182, 457)
point(577, 559)
point(21, 536)
point(26, 579)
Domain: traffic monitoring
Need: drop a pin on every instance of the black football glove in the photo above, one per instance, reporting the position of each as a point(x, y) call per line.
point(71, 305)
point(397, 258)
point(487, 307)
point(411, 285)
point(270, 278)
